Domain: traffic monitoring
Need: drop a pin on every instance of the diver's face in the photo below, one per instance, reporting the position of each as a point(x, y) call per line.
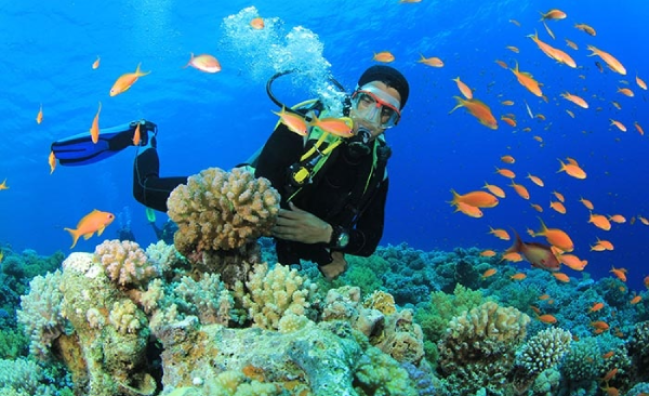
point(375, 106)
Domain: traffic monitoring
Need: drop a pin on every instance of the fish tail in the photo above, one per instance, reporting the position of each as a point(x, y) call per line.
point(191, 56)
point(139, 72)
point(543, 227)
point(455, 197)
point(75, 236)
point(460, 103)
point(517, 245)
point(563, 165)
point(592, 48)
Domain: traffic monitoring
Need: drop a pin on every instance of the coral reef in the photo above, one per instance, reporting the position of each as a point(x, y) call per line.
point(125, 262)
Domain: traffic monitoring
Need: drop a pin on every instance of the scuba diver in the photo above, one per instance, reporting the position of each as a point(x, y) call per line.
point(333, 189)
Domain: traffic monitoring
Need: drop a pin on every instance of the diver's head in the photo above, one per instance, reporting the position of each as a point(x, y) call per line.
point(376, 103)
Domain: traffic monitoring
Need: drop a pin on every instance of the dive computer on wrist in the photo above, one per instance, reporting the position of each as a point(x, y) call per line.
point(339, 238)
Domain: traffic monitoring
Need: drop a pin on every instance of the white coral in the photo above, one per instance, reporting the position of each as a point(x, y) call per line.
point(125, 263)
point(544, 350)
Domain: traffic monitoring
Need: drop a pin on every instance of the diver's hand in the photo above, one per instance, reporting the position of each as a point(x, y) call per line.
point(301, 226)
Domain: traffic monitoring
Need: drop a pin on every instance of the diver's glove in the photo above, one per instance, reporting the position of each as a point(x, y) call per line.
point(359, 145)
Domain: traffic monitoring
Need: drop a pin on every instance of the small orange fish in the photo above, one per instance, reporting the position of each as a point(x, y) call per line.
point(539, 255)
point(507, 102)
point(489, 272)
point(596, 307)
point(573, 262)
point(600, 324)
point(572, 45)
point(620, 273)
point(561, 277)
point(526, 80)
point(512, 257)
point(502, 64)
point(535, 309)
point(205, 63)
point(547, 319)
point(559, 196)
point(556, 237)
point(508, 159)
point(499, 233)
point(95, 64)
point(479, 110)
point(293, 121)
point(588, 204)
point(607, 245)
point(639, 128)
point(585, 28)
point(635, 300)
point(479, 199)
point(616, 104)
point(509, 121)
point(3, 185)
point(52, 161)
point(95, 221)
point(553, 14)
point(495, 190)
point(553, 53)
point(575, 99)
point(558, 207)
point(137, 137)
point(466, 91)
point(505, 172)
point(640, 82)
point(513, 49)
point(573, 169)
point(518, 276)
point(535, 179)
point(469, 210)
point(521, 190)
point(39, 116)
point(487, 253)
point(335, 126)
point(383, 56)
point(126, 80)
point(643, 220)
point(618, 125)
point(536, 207)
point(600, 221)
point(538, 138)
point(617, 218)
point(608, 354)
point(94, 129)
point(544, 297)
point(433, 61)
point(257, 23)
point(626, 92)
point(609, 375)
point(609, 59)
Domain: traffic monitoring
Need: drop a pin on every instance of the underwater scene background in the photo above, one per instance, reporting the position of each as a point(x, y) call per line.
point(404, 336)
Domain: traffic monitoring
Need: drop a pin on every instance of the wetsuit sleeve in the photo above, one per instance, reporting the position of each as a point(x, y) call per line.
point(282, 149)
point(365, 237)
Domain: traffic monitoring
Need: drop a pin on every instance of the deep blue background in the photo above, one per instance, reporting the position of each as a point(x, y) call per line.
point(219, 120)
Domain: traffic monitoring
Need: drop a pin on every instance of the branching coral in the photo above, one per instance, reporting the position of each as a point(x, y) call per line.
point(125, 263)
point(544, 350)
point(208, 299)
point(218, 210)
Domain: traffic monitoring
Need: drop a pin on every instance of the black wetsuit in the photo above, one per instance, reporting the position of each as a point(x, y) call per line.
point(336, 194)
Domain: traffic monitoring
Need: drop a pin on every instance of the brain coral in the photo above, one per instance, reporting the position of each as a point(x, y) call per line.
point(219, 210)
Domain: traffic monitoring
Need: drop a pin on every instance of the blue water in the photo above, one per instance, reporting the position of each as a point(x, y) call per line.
point(220, 119)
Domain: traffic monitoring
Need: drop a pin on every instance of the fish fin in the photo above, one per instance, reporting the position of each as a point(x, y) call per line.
point(88, 235)
point(460, 103)
point(75, 236)
point(101, 230)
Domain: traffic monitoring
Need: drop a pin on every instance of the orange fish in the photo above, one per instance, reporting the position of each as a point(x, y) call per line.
point(95, 221)
point(479, 110)
point(608, 354)
point(479, 199)
point(572, 45)
point(573, 262)
point(588, 204)
point(609, 375)
point(559, 196)
point(573, 169)
point(125, 81)
point(502, 64)
point(489, 272)
point(626, 92)
point(507, 102)
point(433, 61)
point(635, 300)
point(383, 56)
point(469, 210)
point(619, 125)
point(509, 121)
point(335, 126)
point(561, 277)
point(505, 172)
point(487, 253)
point(547, 319)
point(609, 59)
point(639, 128)
point(556, 237)
point(526, 80)
point(553, 14)
point(600, 324)
point(596, 307)
point(600, 221)
point(52, 161)
point(558, 207)
point(617, 218)
point(535, 179)
point(616, 104)
point(553, 53)
point(257, 23)
point(620, 273)
point(585, 28)
point(95, 64)
point(513, 49)
point(293, 121)
point(3, 185)
point(536, 207)
point(508, 159)
point(499, 233)
point(575, 99)
point(538, 139)
point(39, 116)
point(521, 190)
point(597, 248)
point(518, 276)
point(544, 297)
point(495, 190)
point(539, 255)
point(205, 63)
point(640, 82)
point(137, 137)
point(94, 129)
point(643, 220)
point(512, 257)
point(607, 245)
point(466, 91)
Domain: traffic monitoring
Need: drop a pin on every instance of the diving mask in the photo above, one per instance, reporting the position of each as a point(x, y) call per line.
point(376, 106)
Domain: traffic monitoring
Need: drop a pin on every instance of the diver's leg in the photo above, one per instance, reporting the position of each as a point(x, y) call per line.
point(148, 187)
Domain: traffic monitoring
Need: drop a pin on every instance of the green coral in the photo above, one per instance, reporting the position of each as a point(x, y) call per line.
point(378, 374)
point(13, 343)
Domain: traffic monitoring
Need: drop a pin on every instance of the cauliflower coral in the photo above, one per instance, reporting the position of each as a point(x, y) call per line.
point(219, 210)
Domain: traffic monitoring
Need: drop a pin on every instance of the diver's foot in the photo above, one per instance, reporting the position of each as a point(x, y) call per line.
point(336, 268)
